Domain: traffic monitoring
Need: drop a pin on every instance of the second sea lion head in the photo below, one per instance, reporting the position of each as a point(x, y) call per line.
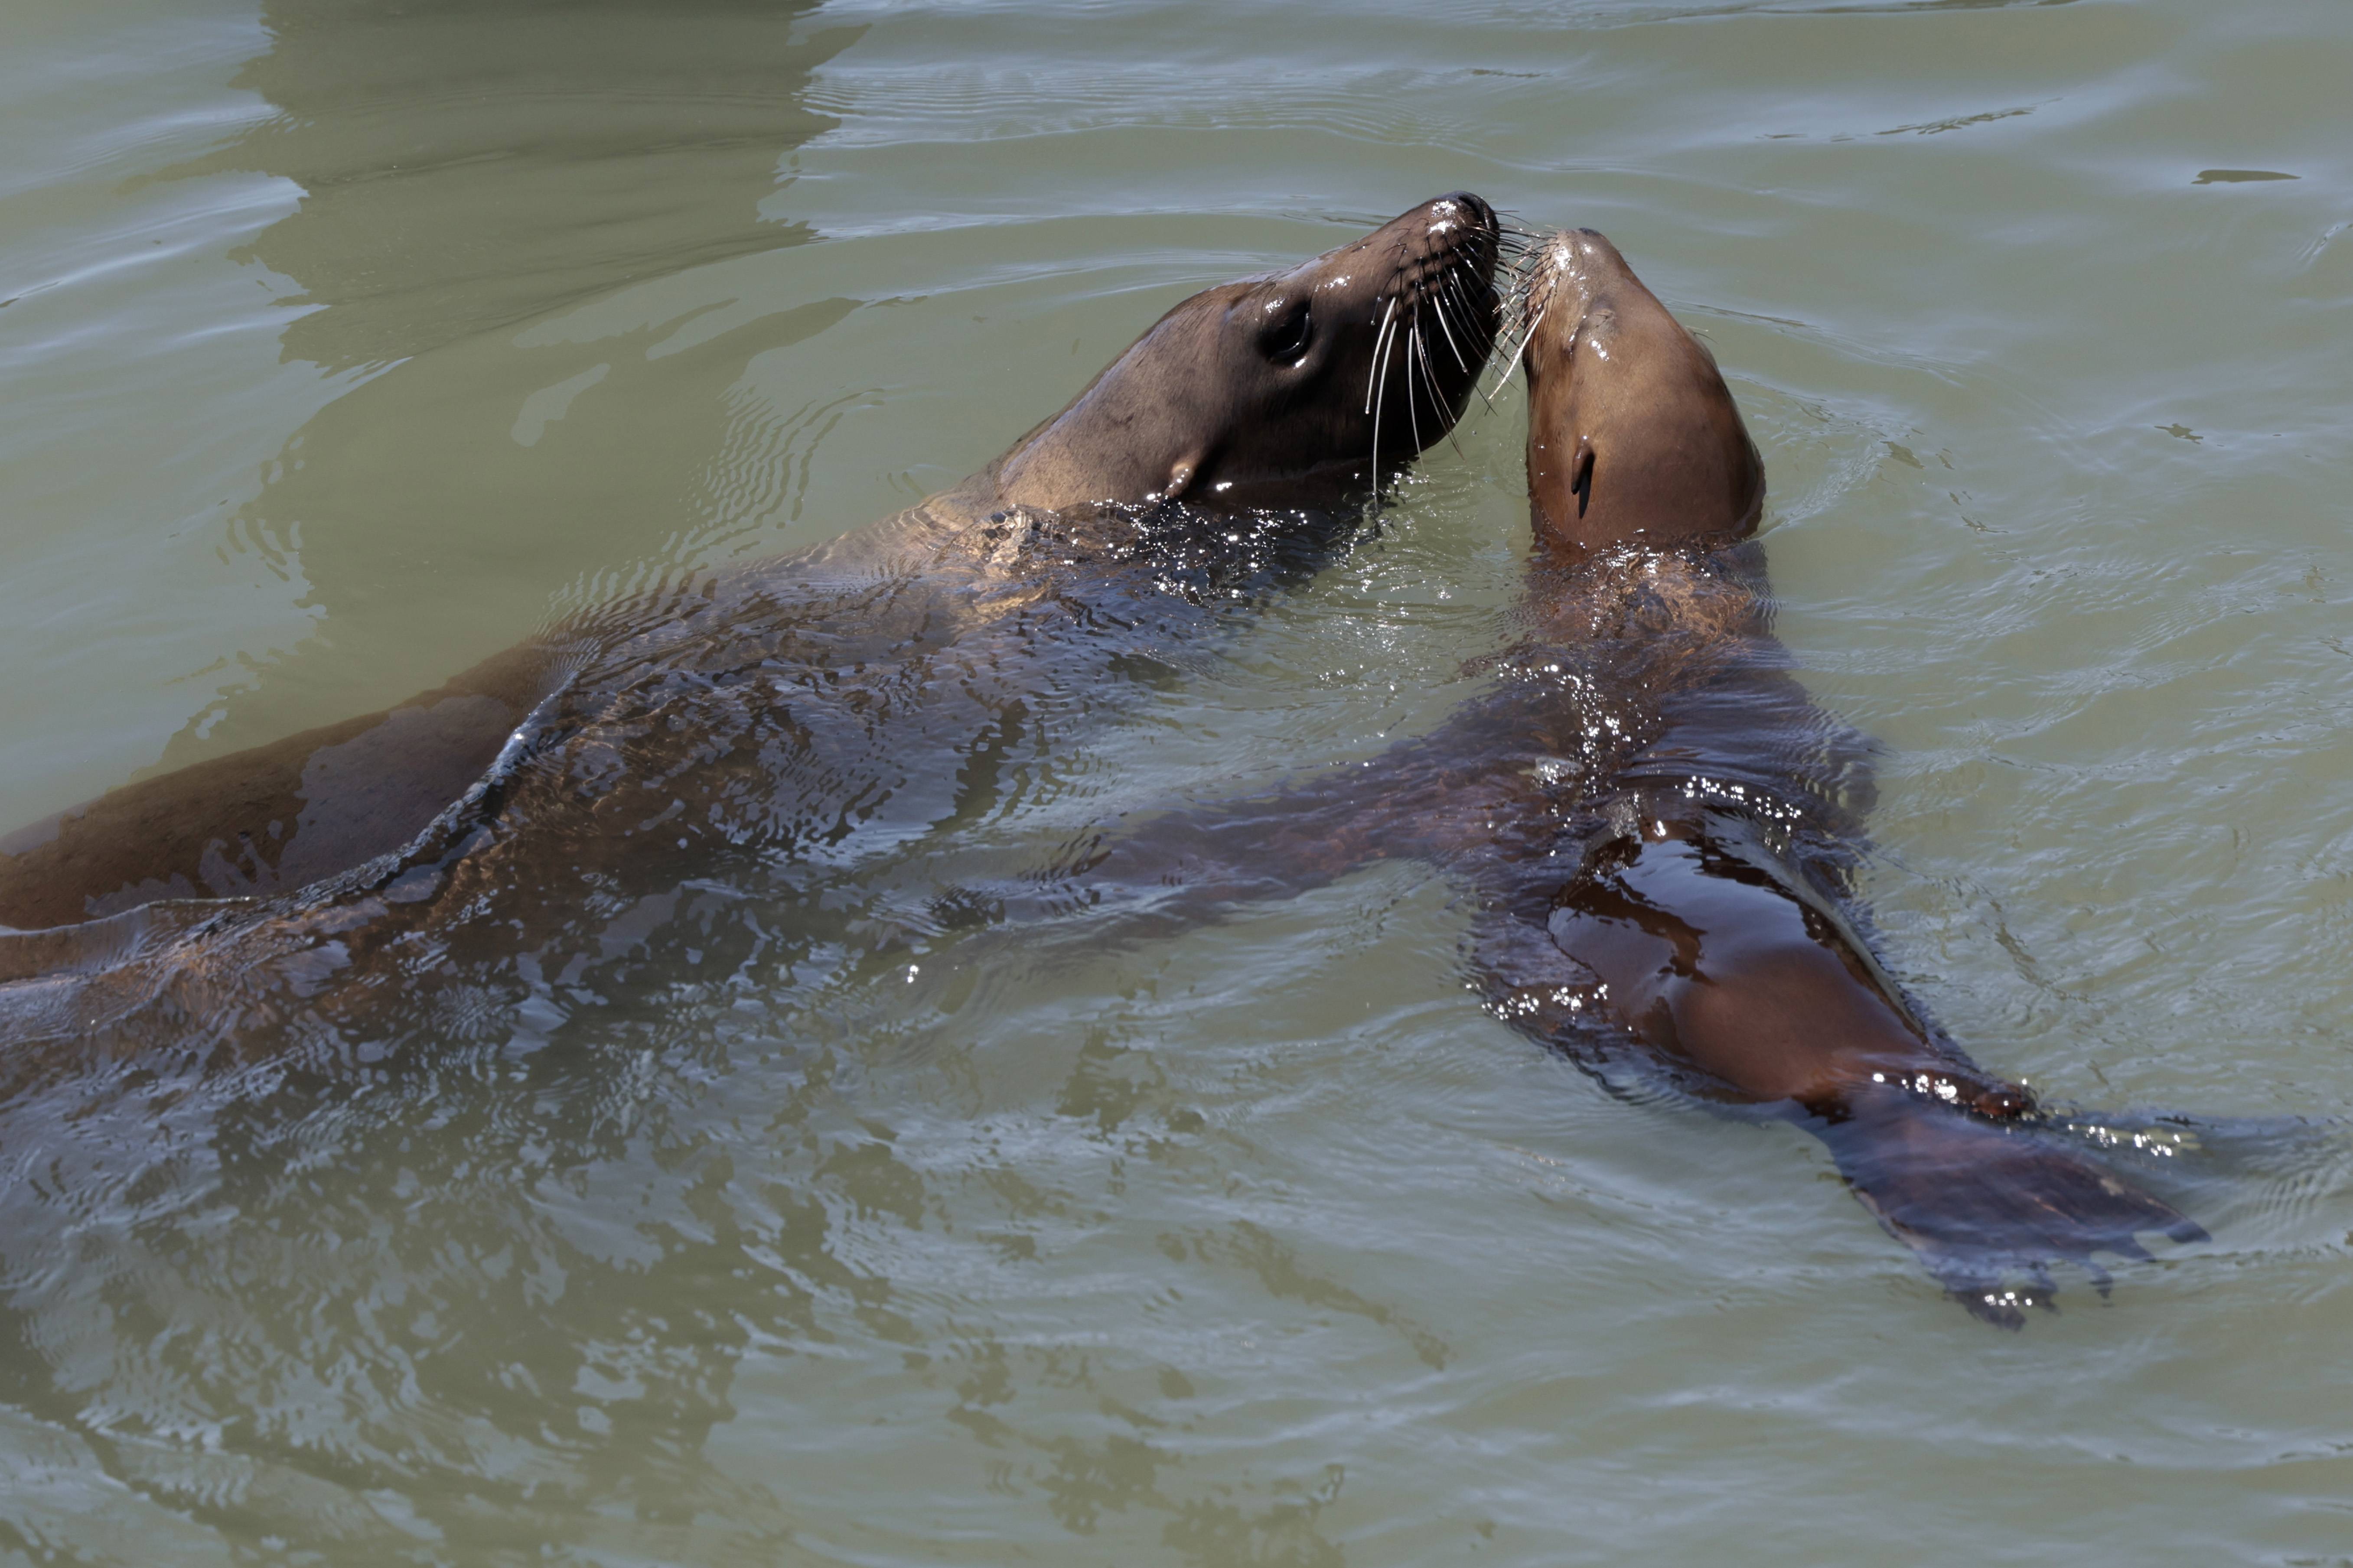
point(1632, 435)
point(1289, 389)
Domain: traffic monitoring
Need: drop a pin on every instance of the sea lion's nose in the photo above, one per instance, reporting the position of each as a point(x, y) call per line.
point(1459, 209)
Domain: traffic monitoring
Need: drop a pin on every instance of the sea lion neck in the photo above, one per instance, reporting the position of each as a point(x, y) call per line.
point(1633, 438)
point(1150, 549)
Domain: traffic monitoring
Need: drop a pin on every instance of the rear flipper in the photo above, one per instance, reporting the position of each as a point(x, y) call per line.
point(1168, 874)
point(1988, 1207)
point(1162, 875)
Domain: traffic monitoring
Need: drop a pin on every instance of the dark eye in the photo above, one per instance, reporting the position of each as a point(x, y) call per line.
point(1285, 341)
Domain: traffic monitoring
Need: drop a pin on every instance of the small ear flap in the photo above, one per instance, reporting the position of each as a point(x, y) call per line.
point(1581, 484)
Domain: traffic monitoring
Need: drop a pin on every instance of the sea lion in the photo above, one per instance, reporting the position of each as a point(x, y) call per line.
point(1281, 398)
point(1661, 828)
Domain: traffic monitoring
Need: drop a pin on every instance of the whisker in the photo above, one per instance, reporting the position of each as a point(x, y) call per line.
point(1375, 376)
point(1515, 347)
point(1522, 282)
point(1485, 336)
point(1525, 338)
point(1454, 295)
point(1513, 251)
point(1413, 341)
point(1421, 346)
point(1439, 299)
point(1430, 376)
point(1381, 393)
point(1404, 342)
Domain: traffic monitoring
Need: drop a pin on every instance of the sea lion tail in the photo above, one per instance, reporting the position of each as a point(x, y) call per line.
point(1989, 1206)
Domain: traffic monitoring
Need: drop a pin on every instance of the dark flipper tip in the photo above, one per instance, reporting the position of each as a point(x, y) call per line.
point(1989, 1208)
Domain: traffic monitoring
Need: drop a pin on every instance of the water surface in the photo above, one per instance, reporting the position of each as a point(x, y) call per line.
point(346, 344)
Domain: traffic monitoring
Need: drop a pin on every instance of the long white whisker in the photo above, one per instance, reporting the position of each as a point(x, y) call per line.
point(1413, 342)
point(1525, 338)
point(1376, 376)
point(1421, 358)
point(1439, 299)
point(1437, 399)
point(1380, 394)
point(1454, 285)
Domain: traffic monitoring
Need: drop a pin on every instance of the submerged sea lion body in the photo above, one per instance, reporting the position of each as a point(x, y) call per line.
point(1661, 828)
point(1279, 399)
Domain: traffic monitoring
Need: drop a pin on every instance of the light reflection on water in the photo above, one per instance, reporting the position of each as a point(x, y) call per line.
point(1262, 1245)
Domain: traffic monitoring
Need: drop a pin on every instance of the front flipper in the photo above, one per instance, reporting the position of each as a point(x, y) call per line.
point(1741, 980)
point(1988, 1206)
point(1155, 876)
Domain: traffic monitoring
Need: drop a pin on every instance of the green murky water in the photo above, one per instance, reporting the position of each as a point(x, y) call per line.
point(344, 343)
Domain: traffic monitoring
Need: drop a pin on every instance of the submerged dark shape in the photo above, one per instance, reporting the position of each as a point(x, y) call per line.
point(1281, 399)
point(1659, 827)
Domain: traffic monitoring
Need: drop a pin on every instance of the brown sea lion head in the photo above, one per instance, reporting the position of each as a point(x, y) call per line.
point(1632, 435)
point(1293, 389)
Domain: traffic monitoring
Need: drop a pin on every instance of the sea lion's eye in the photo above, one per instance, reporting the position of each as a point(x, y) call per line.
point(1284, 340)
